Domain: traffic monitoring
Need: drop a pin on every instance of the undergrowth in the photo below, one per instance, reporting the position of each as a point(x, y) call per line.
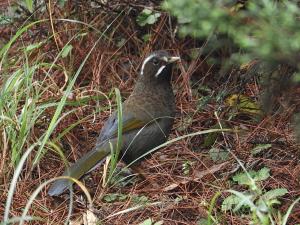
point(59, 79)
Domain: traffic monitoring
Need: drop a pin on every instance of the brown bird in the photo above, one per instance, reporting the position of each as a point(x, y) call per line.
point(148, 116)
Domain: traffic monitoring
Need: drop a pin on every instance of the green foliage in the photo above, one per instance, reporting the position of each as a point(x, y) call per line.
point(115, 150)
point(115, 197)
point(230, 202)
point(66, 50)
point(5, 19)
point(29, 5)
point(296, 77)
point(34, 46)
point(269, 198)
point(217, 154)
point(140, 200)
point(211, 138)
point(256, 200)
point(62, 3)
point(248, 178)
point(147, 17)
point(23, 107)
point(265, 29)
point(18, 109)
point(146, 37)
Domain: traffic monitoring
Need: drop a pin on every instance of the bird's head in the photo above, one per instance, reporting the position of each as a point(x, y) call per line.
point(158, 66)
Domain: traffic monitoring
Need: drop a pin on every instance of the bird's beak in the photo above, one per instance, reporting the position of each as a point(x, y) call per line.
point(173, 59)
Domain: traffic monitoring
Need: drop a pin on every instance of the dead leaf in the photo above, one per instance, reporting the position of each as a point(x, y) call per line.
point(86, 218)
point(89, 218)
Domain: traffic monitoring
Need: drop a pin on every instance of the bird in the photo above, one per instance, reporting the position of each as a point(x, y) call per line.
point(147, 119)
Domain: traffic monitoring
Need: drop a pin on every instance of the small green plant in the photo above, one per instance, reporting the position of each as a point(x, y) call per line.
point(147, 17)
point(140, 200)
point(255, 200)
point(218, 155)
point(115, 150)
point(115, 197)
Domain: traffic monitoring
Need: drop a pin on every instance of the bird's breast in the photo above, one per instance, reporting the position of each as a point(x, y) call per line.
point(151, 106)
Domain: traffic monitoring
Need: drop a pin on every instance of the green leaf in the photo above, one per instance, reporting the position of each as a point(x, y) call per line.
point(147, 16)
point(183, 19)
point(116, 150)
point(114, 197)
point(33, 46)
point(270, 197)
point(29, 5)
point(146, 222)
point(243, 178)
point(296, 77)
point(210, 139)
point(110, 197)
point(66, 50)
point(136, 199)
point(146, 37)
point(146, 11)
point(151, 19)
point(62, 3)
point(217, 154)
point(275, 193)
point(262, 174)
point(5, 19)
point(238, 200)
point(230, 202)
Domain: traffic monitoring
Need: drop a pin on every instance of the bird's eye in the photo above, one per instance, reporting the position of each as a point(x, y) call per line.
point(155, 61)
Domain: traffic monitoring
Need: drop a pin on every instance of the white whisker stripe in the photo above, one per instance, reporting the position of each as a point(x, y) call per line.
point(145, 61)
point(160, 70)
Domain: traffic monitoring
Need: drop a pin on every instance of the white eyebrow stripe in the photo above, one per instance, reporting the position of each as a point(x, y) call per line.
point(160, 70)
point(145, 61)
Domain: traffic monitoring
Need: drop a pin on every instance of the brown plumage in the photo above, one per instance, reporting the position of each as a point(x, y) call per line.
point(148, 116)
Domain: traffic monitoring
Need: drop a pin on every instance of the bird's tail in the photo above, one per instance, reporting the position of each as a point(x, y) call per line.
point(82, 166)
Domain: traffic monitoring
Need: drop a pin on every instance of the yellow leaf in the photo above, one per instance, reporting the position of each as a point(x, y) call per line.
point(243, 104)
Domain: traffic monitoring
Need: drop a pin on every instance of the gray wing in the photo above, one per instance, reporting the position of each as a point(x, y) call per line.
point(110, 127)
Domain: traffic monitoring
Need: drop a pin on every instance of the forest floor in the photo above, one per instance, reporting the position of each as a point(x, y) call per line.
point(190, 172)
